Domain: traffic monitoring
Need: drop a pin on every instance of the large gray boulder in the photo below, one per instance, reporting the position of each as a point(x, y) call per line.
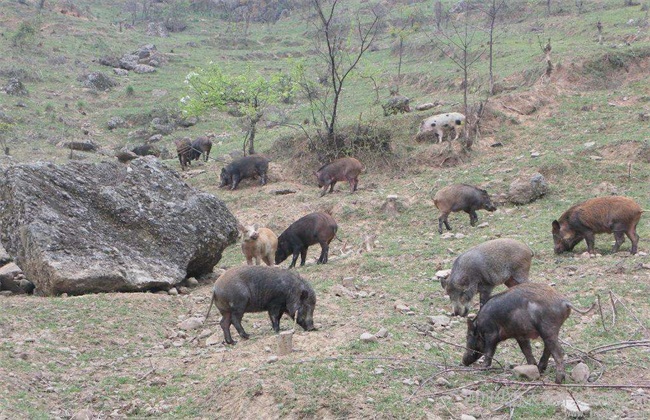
point(104, 227)
point(527, 188)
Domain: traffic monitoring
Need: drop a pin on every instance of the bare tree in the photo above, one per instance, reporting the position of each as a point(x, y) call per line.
point(341, 44)
point(459, 44)
point(492, 12)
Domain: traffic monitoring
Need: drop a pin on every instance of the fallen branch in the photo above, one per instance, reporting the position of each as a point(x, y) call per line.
point(507, 382)
point(509, 403)
point(630, 311)
point(611, 299)
point(600, 309)
point(619, 346)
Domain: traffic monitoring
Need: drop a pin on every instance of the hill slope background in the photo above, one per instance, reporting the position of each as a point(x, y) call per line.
point(584, 127)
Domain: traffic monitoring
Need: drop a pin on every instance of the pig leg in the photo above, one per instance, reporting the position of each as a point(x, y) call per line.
point(443, 219)
point(323, 253)
point(225, 326)
point(263, 178)
point(332, 186)
point(589, 238)
point(322, 193)
point(619, 237)
point(489, 349)
point(249, 260)
point(267, 260)
point(484, 293)
point(524, 345)
point(275, 314)
point(473, 217)
point(303, 256)
point(234, 182)
point(296, 252)
point(631, 233)
point(236, 321)
point(552, 347)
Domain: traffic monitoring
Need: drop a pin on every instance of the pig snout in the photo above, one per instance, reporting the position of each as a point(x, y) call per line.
point(470, 357)
point(460, 309)
point(490, 207)
point(255, 235)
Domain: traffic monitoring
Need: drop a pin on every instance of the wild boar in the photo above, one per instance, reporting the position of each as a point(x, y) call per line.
point(201, 146)
point(523, 312)
point(184, 151)
point(245, 167)
point(614, 214)
point(258, 243)
point(310, 229)
point(481, 268)
point(441, 122)
point(461, 197)
point(258, 289)
point(146, 150)
point(344, 169)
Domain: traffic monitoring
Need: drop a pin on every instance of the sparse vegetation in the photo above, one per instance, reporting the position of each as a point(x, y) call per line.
point(584, 127)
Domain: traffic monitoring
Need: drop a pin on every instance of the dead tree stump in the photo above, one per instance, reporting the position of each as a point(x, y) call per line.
point(285, 342)
point(391, 206)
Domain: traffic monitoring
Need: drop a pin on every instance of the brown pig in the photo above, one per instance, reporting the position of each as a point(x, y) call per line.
point(184, 151)
point(614, 214)
point(481, 268)
point(523, 312)
point(201, 146)
point(308, 230)
point(258, 243)
point(344, 169)
point(461, 197)
point(260, 288)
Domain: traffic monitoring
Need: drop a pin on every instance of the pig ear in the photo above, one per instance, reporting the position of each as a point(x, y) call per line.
point(304, 294)
point(556, 226)
point(255, 227)
point(443, 283)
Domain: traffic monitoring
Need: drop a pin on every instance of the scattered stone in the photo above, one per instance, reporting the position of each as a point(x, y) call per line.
point(205, 333)
point(589, 144)
point(409, 382)
point(427, 346)
point(440, 320)
point(188, 122)
point(447, 235)
point(442, 382)
point(392, 207)
point(368, 338)
point(483, 225)
point(15, 87)
point(497, 144)
point(642, 254)
point(379, 371)
point(267, 349)
point(459, 236)
point(467, 417)
point(85, 414)
point(382, 333)
point(115, 122)
point(213, 339)
point(534, 154)
point(272, 359)
point(401, 306)
point(97, 81)
point(527, 189)
point(173, 291)
point(596, 158)
point(192, 282)
point(155, 138)
point(426, 106)
point(574, 410)
point(527, 371)
point(120, 72)
point(348, 282)
point(143, 68)
point(191, 324)
point(580, 373)
point(340, 290)
point(443, 274)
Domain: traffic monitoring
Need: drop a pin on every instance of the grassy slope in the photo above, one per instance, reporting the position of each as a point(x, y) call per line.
point(118, 353)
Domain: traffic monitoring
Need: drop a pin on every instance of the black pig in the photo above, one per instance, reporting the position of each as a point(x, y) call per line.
point(619, 215)
point(308, 230)
point(461, 197)
point(146, 150)
point(201, 146)
point(485, 266)
point(245, 167)
point(525, 311)
point(257, 289)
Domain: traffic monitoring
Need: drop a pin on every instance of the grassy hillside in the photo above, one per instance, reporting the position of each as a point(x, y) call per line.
point(584, 128)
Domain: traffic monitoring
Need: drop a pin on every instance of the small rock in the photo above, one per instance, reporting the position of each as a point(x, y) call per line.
point(382, 333)
point(483, 225)
point(459, 236)
point(192, 282)
point(443, 274)
point(85, 414)
point(441, 320)
point(467, 417)
point(190, 324)
point(442, 382)
point(205, 333)
point(272, 359)
point(368, 338)
point(527, 371)
point(173, 291)
point(574, 410)
point(580, 373)
point(348, 282)
point(120, 72)
point(379, 371)
point(409, 382)
point(447, 235)
point(642, 254)
point(534, 154)
point(589, 144)
point(401, 306)
point(267, 349)
point(213, 339)
point(596, 158)
point(340, 290)
point(427, 346)
point(178, 343)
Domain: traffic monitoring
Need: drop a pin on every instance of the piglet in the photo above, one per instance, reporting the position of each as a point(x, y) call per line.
point(308, 230)
point(461, 197)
